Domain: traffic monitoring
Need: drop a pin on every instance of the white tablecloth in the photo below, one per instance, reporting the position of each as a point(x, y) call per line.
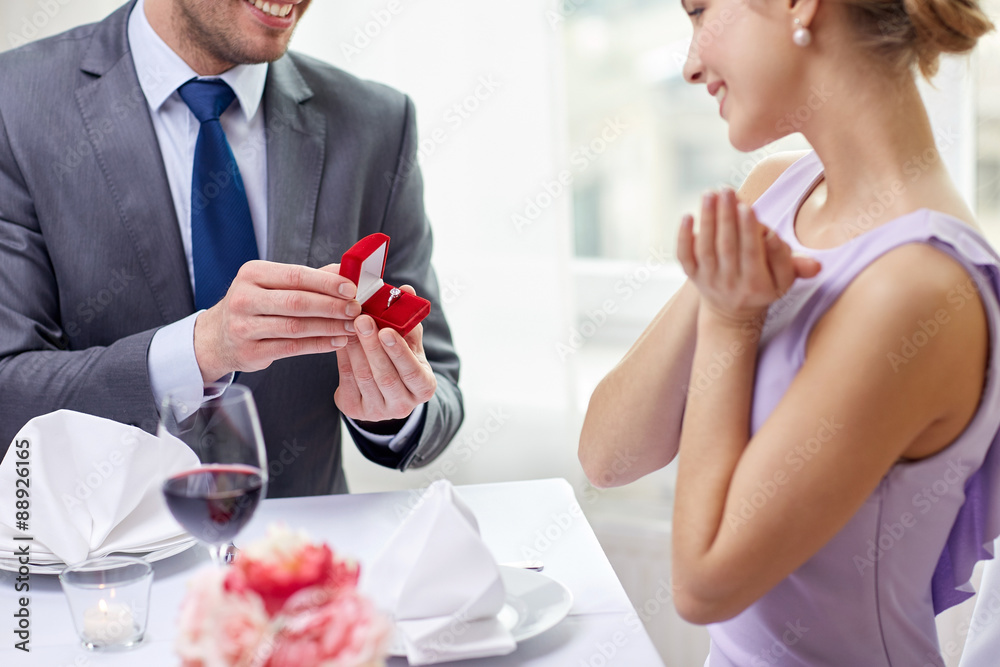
point(540, 519)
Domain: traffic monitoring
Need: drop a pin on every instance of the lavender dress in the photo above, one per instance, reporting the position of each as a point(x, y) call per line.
point(869, 596)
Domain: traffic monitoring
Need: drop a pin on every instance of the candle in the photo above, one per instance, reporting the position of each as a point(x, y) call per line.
point(108, 623)
point(108, 598)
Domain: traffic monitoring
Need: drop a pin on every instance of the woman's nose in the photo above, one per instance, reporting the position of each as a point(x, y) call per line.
point(693, 71)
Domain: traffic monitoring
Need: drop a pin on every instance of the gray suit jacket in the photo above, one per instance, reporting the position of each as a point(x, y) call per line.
point(91, 261)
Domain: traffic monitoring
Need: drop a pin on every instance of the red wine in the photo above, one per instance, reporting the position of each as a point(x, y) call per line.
point(214, 502)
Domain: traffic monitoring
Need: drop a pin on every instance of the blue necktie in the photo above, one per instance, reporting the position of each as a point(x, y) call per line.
point(222, 237)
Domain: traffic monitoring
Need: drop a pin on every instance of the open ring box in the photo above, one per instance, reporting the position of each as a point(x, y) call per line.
point(364, 265)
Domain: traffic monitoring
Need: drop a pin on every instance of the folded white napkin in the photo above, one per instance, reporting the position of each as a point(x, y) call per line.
point(441, 584)
point(95, 488)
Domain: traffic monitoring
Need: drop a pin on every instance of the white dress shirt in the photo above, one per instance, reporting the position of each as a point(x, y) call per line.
point(173, 367)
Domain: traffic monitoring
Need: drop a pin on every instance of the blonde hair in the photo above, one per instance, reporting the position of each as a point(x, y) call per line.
point(908, 33)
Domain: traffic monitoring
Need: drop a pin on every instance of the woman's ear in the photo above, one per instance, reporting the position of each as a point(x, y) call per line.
point(803, 10)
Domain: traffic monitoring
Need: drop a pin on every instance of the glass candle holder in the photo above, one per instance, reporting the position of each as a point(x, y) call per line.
point(109, 600)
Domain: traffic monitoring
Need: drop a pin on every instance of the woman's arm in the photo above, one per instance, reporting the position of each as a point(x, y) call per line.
point(633, 422)
point(846, 418)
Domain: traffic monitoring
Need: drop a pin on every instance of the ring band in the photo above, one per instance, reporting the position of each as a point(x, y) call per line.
point(394, 294)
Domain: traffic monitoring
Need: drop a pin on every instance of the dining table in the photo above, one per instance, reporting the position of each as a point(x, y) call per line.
point(520, 520)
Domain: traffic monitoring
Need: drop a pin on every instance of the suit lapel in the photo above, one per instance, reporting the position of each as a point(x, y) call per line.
point(116, 117)
point(296, 146)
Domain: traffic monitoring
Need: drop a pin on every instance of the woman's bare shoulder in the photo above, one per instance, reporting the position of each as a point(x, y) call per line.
point(911, 297)
point(765, 173)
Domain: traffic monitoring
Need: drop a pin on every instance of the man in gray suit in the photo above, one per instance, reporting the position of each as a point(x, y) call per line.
point(97, 282)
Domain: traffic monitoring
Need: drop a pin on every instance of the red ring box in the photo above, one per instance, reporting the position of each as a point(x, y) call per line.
point(364, 265)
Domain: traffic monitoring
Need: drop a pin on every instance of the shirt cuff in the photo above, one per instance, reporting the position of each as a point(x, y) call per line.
point(173, 366)
point(393, 442)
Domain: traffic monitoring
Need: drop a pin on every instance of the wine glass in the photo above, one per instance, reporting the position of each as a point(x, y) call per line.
point(215, 500)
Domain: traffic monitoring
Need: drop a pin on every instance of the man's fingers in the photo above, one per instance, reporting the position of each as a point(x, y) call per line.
point(272, 275)
point(415, 340)
point(386, 375)
point(419, 382)
point(348, 396)
point(371, 396)
point(270, 350)
point(267, 327)
point(298, 303)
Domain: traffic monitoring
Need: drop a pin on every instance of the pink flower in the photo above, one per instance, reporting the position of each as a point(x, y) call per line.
point(276, 573)
point(285, 603)
point(219, 628)
point(330, 629)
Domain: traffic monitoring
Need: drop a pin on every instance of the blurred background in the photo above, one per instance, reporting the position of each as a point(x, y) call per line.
point(560, 147)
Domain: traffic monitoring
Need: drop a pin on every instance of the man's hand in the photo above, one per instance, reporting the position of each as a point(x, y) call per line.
point(273, 311)
point(383, 375)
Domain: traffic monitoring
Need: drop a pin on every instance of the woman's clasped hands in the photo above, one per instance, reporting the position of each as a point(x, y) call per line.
point(739, 265)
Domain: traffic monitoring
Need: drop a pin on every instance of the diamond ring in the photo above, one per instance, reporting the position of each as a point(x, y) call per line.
point(393, 295)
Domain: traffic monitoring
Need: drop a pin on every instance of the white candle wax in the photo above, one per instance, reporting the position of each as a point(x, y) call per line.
point(108, 623)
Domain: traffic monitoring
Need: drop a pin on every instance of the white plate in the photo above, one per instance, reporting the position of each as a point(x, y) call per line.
point(150, 556)
point(534, 603)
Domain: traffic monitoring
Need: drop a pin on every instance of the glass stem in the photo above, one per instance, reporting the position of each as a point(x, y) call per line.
point(218, 553)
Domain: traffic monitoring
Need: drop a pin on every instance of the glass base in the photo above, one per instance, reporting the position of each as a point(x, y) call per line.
point(117, 644)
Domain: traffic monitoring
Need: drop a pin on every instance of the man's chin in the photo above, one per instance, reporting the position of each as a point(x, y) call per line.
point(254, 42)
point(261, 51)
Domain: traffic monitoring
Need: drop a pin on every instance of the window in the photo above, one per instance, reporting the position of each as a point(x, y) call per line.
point(624, 65)
point(987, 199)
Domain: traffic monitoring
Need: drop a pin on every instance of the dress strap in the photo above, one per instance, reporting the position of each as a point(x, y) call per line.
point(777, 206)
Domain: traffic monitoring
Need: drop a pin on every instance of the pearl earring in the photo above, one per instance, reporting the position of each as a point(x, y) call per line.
point(802, 36)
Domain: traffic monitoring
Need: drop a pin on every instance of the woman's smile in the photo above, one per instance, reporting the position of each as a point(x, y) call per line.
point(718, 90)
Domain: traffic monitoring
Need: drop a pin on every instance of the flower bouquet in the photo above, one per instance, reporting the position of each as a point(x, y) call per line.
point(285, 603)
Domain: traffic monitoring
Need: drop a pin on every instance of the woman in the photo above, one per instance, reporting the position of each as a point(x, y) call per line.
point(825, 374)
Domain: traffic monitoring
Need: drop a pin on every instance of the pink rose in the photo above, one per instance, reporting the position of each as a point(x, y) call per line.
point(285, 603)
point(219, 628)
point(277, 580)
point(330, 629)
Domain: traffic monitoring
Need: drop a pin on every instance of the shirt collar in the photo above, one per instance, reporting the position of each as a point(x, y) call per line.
point(161, 71)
